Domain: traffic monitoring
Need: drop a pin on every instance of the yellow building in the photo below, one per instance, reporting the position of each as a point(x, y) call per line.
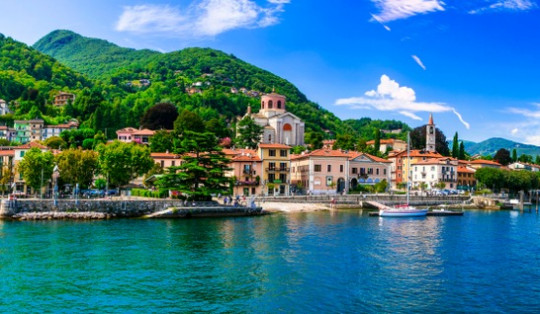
point(276, 166)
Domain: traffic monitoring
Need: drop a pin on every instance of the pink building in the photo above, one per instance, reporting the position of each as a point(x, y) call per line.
point(321, 171)
point(368, 169)
point(134, 135)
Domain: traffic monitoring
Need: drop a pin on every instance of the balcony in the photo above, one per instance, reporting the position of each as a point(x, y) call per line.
point(249, 183)
point(278, 169)
point(249, 172)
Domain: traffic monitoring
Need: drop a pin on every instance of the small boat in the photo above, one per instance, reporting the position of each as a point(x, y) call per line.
point(404, 210)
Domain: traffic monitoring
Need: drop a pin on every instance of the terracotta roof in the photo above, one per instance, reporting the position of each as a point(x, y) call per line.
point(386, 141)
point(418, 153)
point(7, 152)
point(165, 155)
point(238, 151)
point(435, 161)
point(274, 146)
point(464, 169)
point(144, 132)
point(31, 145)
point(484, 162)
point(323, 152)
point(246, 158)
point(354, 155)
point(430, 119)
point(127, 130)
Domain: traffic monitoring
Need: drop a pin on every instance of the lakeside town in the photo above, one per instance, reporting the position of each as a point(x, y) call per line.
point(276, 161)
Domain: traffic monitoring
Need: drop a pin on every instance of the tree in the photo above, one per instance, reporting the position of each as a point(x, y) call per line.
point(77, 166)
point(418, 140)
point(55, 142)
point(298, 149)
point(502, 156)
point(514, 155)
point(122, 162)
point(202, 172)
point(160, 116)
point(36, 165)
point(218, 127)
point(525, 158)
point(490, 177)
point(162, 141)
point(537, 160)
point(345, 142)
point(249, 133)
point(7, 177)
point(455, 146)
point(462, 154)
point(377, 144)
point(314, 140)
point(188, 121)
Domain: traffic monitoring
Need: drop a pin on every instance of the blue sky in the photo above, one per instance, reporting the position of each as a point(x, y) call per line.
point(474, 64)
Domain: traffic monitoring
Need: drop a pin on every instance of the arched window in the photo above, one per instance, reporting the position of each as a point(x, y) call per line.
point(270, 138)
point(287, 127)
point(430, 130)
point(270, 105)
point(262, 104)
point(279, 104)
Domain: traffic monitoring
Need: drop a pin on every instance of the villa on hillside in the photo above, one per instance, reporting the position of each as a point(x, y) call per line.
point(62, 98)
point(133, 135)
point(387, 145)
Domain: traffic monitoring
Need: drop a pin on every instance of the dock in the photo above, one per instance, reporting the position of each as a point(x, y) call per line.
point(429, 213)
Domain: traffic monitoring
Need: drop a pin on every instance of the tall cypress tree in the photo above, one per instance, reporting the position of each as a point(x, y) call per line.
point(377, 144)
point(461, 151)
point(514, 155)
point(455, 146)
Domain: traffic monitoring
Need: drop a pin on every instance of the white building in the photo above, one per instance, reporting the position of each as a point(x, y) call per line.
point(4, 108)
point(435, 170)
point(55, 130)
point(280, 126)
point(518, 165)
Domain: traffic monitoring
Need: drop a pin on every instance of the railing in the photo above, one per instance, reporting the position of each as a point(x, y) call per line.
point(277, 169)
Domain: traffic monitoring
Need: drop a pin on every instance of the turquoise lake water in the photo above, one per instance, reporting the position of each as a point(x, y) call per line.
point(306, 262)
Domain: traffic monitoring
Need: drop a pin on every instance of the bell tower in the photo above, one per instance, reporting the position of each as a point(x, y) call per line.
point(430, 135)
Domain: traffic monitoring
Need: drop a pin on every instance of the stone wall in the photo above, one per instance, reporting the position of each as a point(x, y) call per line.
point(113, 208)
point(358, 199)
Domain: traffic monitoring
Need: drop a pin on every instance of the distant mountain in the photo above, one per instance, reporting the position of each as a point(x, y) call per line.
point(492, 145)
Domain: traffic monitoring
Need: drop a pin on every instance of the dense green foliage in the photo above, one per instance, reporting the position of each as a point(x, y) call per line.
point(36, 168)
point(122, 162)
point(77, 166)
point(513, 181)
point(418, 140)
point(249, 133)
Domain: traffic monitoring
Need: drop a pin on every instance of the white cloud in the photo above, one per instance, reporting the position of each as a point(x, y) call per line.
point(528, 126)
point(389, 96)
point(419, 62)
point(410, 115)
point(207, 18)
point(501, 5)
point(391, 10)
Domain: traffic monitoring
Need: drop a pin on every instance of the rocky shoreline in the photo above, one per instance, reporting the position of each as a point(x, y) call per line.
point(62, 216)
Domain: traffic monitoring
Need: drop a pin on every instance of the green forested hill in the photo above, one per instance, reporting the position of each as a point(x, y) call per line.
point(91, 56)
point(29, 80)
point(210, 73)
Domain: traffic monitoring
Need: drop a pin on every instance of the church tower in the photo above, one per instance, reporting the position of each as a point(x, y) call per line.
point(430, 135)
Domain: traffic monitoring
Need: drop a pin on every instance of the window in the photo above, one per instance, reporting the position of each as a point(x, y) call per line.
point(317, 168)
point(354, 170)
point(384, 171)
point(370, 171)
point(279, 104)
point(329, 168)
point(22, 153)
point(340, 168)
point(162, 163)
point(271, 177)
point(283, 166)
point(270, 104)
point(283, 177)
point(377, 171)
point(262, 104)
point(173, 163)
point(272, 153)
point(283, 153)
point(270, 138)
point(272, 166)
